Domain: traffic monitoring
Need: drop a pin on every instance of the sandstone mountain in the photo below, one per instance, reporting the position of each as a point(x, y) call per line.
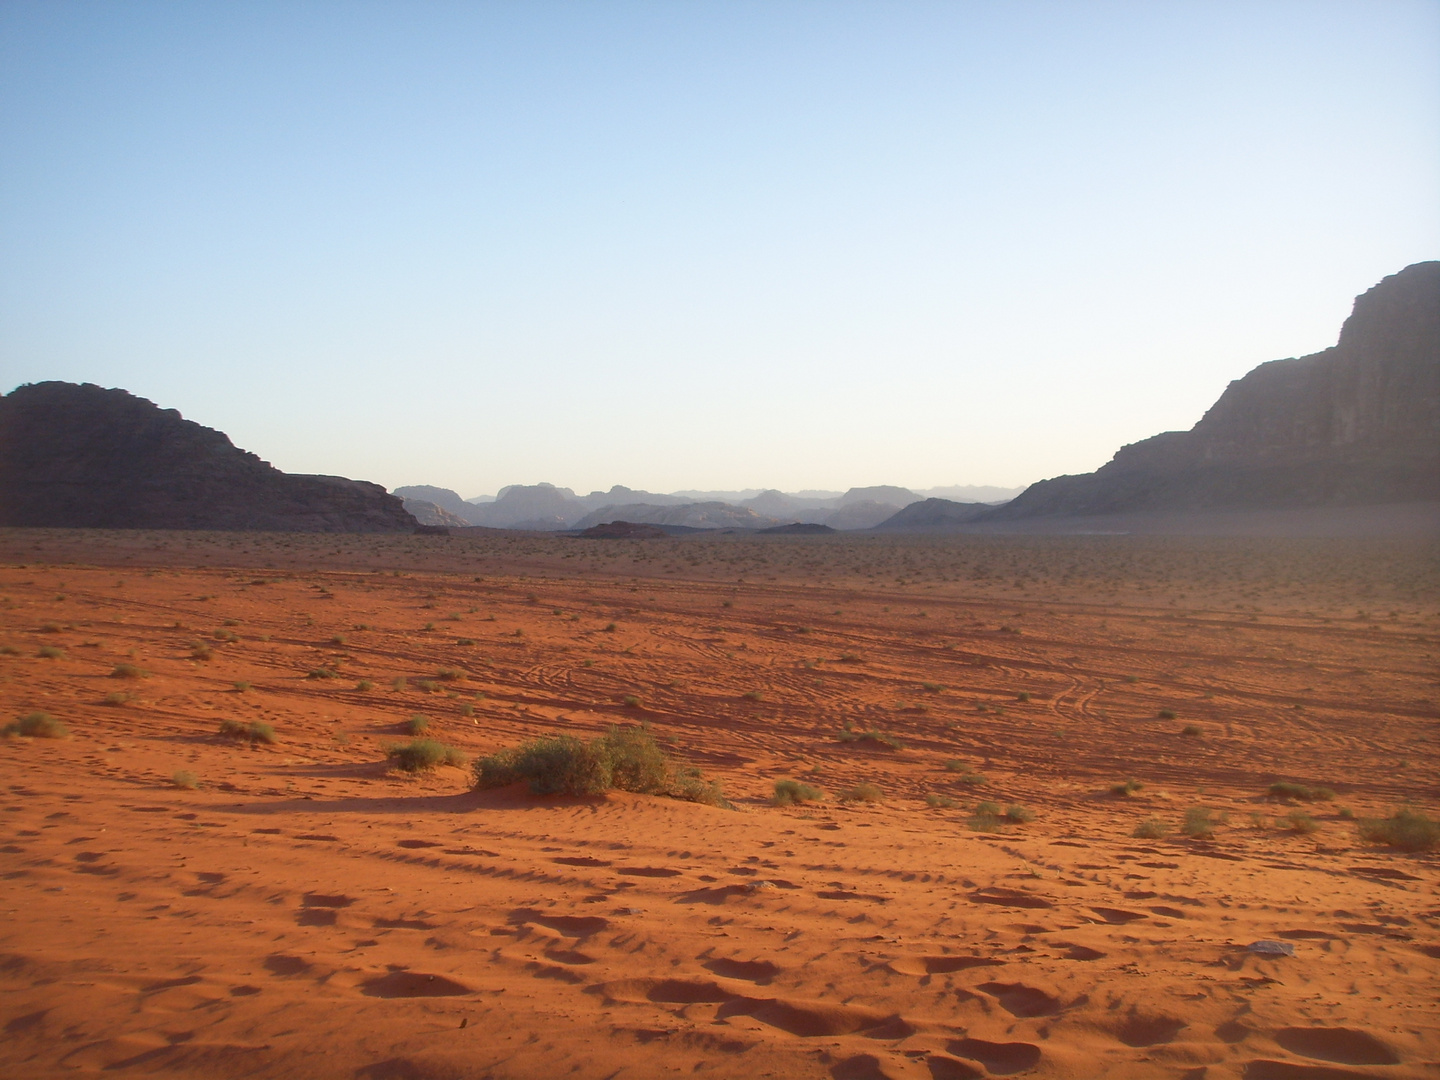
point(1356, 424)
point(79, 456)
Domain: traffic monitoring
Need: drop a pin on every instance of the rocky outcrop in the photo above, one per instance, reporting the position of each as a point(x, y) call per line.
point(933, 515)
point(624, 530)
point(79, 456)
point(1356, 424)
point(444, 498)
point(428, 514)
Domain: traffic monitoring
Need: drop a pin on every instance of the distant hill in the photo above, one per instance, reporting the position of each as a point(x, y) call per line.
point(1357, 424)
point(80, 456)
point(934, 515)
point(710, 515)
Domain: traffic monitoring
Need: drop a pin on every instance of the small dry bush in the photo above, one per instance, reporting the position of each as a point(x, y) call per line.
point(871, 737)
point(50, 652)
point(184, 778)
point(1199, 823)
point(863, 792)
point(1019, 815)
point(624, 759)
point(986, 818)
point(37, 725)
point(795, 793)
point(1406, 829)
point(256, 732)
point(1300, 792)
point(128, 671)
point(420, 754)
point(1128, 788)
point(1151, 829)
point(1298, 821)
point(939, 802)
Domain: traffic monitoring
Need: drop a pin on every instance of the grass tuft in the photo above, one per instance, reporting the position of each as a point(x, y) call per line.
point(1406, 829)
point(37, 725)
point(184, 778)
point(795, 793)
point(862, 792)
point(128, 671)
point(1284, 789)
point(420, 754)
point(1151, 829)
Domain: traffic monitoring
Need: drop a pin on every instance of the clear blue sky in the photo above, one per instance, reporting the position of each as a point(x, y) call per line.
point(688, 244)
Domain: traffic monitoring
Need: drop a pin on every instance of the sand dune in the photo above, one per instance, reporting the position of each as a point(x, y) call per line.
point(305, 910)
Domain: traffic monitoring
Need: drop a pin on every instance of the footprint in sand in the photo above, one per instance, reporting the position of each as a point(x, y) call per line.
point(1344, 1046)
point(1021, 1000)
point(1118, 916)
point(756, 971)
point(940, 965)
point(1147, 1029)
point(1001, 1059)
point(576, 926)
point(1010, 898)
point(412, 984)
point(280, 964)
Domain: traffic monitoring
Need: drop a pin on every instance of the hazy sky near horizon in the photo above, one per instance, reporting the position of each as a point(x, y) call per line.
point(701, 245)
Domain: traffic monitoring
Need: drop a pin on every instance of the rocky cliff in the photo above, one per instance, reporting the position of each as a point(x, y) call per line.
point(85, 457)
point(1356, 424)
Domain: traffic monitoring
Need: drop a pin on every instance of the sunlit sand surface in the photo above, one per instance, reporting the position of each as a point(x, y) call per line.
point(307, 911)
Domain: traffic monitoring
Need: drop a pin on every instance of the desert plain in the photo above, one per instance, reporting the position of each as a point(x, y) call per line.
point(181, 903)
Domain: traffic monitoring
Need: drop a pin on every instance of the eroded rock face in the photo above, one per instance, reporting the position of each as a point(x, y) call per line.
point(79, 456)
point(1358, 423)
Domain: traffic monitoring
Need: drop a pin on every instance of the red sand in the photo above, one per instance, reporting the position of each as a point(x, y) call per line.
point(306, 911)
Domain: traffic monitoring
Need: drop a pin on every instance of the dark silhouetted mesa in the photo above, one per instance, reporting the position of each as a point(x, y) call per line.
point(85, 457)
point(1354, 425)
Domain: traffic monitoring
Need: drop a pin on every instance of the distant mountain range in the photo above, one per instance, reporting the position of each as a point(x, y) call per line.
point(1355, 425)
point(1353, 428)
point(547, 507)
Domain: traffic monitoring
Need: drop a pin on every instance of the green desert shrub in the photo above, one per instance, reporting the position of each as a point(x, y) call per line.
point(986, 817)
point(416, 725)
point(862, 792)
point(128, 671)
point(871, 737)
point(1019, 815)
point(1167, 714)
point(795, 793)
point(37, 725)
point(420, 754)
point(364, 686)
point(1284, 789)
point(1199, 823)
point(1298, 821)
point(1192, 731)
point(624, 759)
point(116, 697)
point(257, 732)
point(428, 686)
point(1151, 829)
point(1406, 829)
point(967, 775)
point(200, 651)
point(939, 802)
point(450, 674)
point(50, 652)
point(320, 673)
